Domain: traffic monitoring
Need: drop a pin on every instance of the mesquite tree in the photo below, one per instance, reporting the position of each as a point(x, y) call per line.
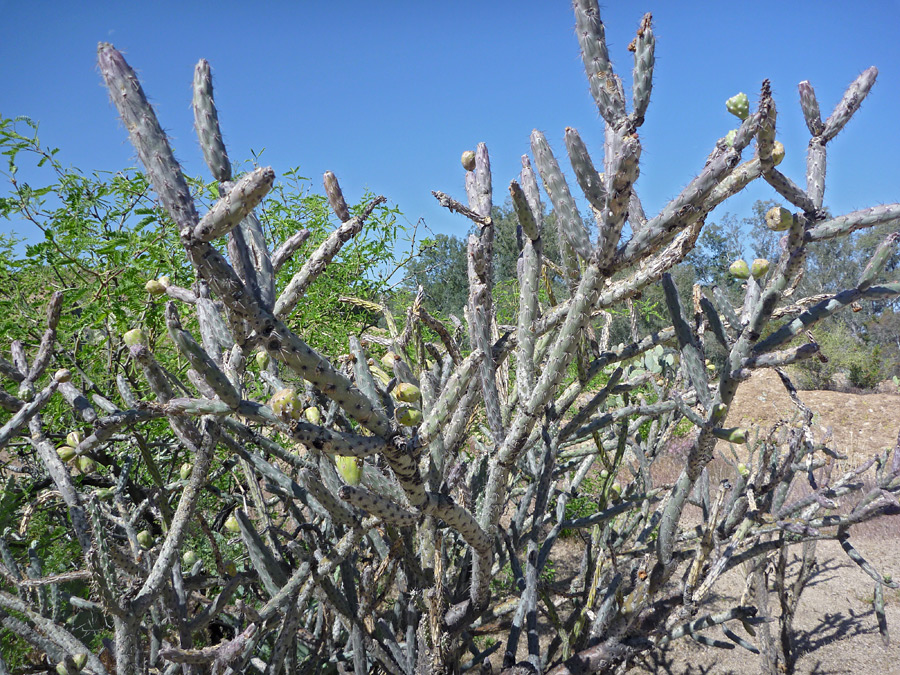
point(374, 506)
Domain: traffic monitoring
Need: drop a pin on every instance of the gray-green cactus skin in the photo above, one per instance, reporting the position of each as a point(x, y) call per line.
point(465, 453)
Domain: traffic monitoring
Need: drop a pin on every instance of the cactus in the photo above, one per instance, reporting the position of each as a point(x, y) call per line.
point(446, 466)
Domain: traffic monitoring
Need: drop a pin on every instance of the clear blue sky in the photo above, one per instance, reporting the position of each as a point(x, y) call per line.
point(388, 94)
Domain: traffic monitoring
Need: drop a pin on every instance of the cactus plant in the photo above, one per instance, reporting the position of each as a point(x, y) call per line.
point(446, 466)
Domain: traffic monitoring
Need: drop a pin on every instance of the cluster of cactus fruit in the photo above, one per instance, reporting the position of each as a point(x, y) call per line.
point(380, 497)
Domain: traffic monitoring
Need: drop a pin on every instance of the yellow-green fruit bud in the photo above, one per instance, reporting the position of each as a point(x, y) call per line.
point(80, 660)
point(262, 360)
point(743, 469)
point(604, 474)
point(313, 415)
point(779, 219)
point(145, 539)
point(739, 269)
point(164, 282)
point(778, 152)
point(739, 105)
point(232, 524)
point(382, 376)
point(615, 492)
point(729, 137)
point(134, 337)
point(153, 287)
point(759, 268)
point(406, 392)
point(468, 160)
point(61, 668)
point(733, 435)
point(189, 558)
point(388, 359)
point(73, 438)
point(719, 410)
point(66, 453)
point(85, 464)
point(286, 403)
point(62, 375)
point(350, 468)
point(185, 471)
point(408, 416)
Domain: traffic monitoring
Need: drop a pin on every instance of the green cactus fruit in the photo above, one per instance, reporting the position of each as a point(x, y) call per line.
point(66, 453)
point(743, 469)
point(262, 360)
point(61, 669)
point(313, 415)
point(733, 435)
point(739, 269)
point(80, 660)
point(145, 539)
point(63, 375)
point(719, 410)
point(778, 152)
point(153, 287)
point(189, 559)
point(468, 160)
point(134, 337)
point(232, 525)
point(408, 416)
point(739, 106)
point(407, 393)
point(729, 137)
point(286, 404)
point(604, 474)
point(73, 438)
point(779, 219)
point(185, 471)
point(165, 282)
point(382, 376)
point(615, 492)
point(759, 268)
point(388, 359)
point(350, 468)
point(85, 464)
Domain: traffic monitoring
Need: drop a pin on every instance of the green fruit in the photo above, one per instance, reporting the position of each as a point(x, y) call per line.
point(388, 359)
point(739, 269)
point(743, 469)
point(61, 668)
point(408, 416)
point(63, 375)
point(185, 471)
point(80, 660)
point(262, 360)
point(189, 559)
point(382, 376)
point(66, 453)
point(729, 137)
point(733, 435)
point(778, 152)
point(145, 539)
point(85, 464)
point(406, 392)
point(232, 524)
point(779, 219)
point(134, 337)
point(73, 438)
point(153, 287)
point(350, 468)
point(164, 282)
point(468, 160)
point(287, 404)
point(759, 268)
point(739, 105)
point(313, 415)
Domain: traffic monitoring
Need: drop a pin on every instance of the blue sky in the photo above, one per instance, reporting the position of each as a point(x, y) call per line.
point(388, 94)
